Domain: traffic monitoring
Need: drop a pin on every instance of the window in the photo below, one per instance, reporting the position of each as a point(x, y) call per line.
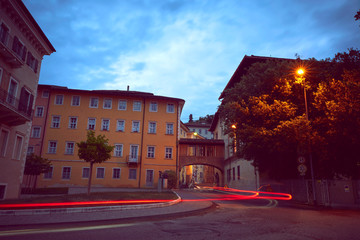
point(49, 174)
point(75, 101)
point(168, 152)
point(19, 48)
point(2, 191)
point(73, 122)
point(32, 62)
point(238, 172)
point(18, 146)
point(85, 172)
point(30, 150)
point(134, 150)
point(69, 148)
point(135, 126)
point(120, 125)
point(36, 132)
point(233, 173)
point(118, 151)
point(55, 122)
point(116, 173)
point(39, 111)
point(200, 131)
point(169, 128)
point(59, 99)
point(105, 125)
point(66, 173)
point(3, 142)
point(1, 71)
point(91, 123)
point(94, 102)
point(52, 147)
point(26, 101)
point(107, 103)
point(13, 86)
point(122, 105)
point(100, 172)
point(4, 35)
point(153, 107)
point(170, 108)
point(132, 174)
point(151, 152)
point(137, 106)
point(45, 94)
point(228, 175)
point(152, 127)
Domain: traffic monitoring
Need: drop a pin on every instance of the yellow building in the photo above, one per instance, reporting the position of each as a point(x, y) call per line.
point(22, 48)
point(143, 128)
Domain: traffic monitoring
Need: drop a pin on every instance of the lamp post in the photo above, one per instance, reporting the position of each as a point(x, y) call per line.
point(301, 79)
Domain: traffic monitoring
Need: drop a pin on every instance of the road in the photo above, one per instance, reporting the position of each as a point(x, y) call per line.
point(239, 219)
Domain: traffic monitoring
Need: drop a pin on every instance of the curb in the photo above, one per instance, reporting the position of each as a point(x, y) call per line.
point(86, 209)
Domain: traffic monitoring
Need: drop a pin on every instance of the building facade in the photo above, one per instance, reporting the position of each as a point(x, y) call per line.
point(22, 47)
point(143, 127)
point(200, 128)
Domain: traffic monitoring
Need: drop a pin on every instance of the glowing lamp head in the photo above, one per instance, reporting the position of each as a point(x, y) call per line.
point(300, 71)
point(233, 126)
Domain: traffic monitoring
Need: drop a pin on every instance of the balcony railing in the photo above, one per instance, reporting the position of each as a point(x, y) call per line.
point(133, 160)
point(12, 111)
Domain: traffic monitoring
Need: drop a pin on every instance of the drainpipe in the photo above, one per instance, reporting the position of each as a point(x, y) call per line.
point(142, 142)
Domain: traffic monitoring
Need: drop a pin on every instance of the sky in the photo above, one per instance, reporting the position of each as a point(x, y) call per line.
point(186, 49)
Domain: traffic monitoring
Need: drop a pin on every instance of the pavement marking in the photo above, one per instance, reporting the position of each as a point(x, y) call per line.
point(58, 230)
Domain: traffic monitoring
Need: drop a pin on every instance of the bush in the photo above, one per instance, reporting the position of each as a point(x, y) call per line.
point(171, 176)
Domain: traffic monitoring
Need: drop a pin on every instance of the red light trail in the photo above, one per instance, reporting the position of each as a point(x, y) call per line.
point(231, 195)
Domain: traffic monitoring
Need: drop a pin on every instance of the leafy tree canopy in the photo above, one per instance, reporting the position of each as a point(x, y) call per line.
point(35, 165)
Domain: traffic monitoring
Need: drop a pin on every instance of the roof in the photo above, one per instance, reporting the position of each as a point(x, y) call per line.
point(122, 93)
point(241, 70)
point(197, 124)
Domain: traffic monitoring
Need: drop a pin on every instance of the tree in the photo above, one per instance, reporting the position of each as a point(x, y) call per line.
point(35, 165)
point(207, 119)
point(357, 16)
point(94, 150)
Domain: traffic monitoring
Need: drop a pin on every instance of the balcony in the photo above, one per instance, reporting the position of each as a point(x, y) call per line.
point(6, 52)
point(12, 111)
point(133, 161)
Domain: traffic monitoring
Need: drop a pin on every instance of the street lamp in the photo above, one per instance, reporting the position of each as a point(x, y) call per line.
point(301, 79)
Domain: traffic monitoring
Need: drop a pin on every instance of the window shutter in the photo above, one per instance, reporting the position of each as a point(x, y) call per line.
point(15, 44)
point(22, 101)
point(29, 111)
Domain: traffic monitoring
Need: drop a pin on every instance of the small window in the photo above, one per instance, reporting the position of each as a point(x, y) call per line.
point(12, 92)
point(4, 137)
point(69, 148)
point(120, 125)
point(52, 147)
point(153, 107)
point(59, 99)
point(39, 111)
point(94, 102)
point(137, 106)
point(45, 94)
point(122, 105)
point(132, 174)
point(168, 152)
point(151, 152)
point(238, 172)
point(32, 62)
point(100, 172)
point(152, 127)
point(49, 174)
point(85, 172)
point(18, 147)
point(135, 126)
point(66, 173)
point(107, 103)
point(91, 123)
point(170, 128)
point(75, 101)
point(116, 173)
point(233, 173)
point(170, 108)
point(55, 122)
point(105, 125)
point(30, 150)
point(36, 132)
point(73, 122)
point(118, 151)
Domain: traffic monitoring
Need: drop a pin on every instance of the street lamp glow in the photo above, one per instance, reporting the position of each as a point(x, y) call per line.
point(300, 71)
point(233, 126)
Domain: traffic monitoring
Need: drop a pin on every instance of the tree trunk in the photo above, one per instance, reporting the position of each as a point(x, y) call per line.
point(90, 176)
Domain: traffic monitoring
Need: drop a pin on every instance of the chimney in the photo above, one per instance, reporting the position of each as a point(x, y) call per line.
point(128, 87)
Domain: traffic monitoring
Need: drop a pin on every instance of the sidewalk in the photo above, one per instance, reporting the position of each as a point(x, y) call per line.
point(66, 215)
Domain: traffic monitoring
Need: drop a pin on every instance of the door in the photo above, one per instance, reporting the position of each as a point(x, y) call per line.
point(149, 178)
point(134, 149)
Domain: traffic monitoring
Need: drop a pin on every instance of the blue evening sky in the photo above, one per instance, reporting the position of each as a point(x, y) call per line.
point(186, 49)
